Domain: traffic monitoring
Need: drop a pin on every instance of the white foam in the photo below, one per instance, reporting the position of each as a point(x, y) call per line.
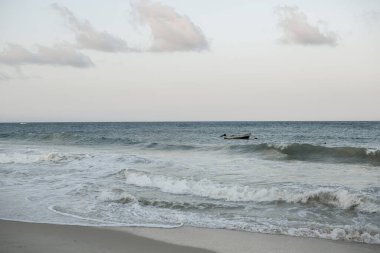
point(205, 188)
point(110, 223)
point(25, 158)
point(116, 195)
point(18, 158)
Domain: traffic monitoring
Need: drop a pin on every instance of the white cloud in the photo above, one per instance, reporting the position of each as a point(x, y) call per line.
point(170, 30)
point(88, 37)
point(62, 55)
point(297, 30)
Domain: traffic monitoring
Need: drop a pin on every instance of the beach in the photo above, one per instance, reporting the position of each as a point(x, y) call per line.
point(190, 126)
point(36, 237)
point(40, 238)
point(181, 183)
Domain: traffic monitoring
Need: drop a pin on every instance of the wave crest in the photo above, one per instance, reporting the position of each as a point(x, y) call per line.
point(309, 152)
point(339, 198)
point(67, 138)
point(21, 158)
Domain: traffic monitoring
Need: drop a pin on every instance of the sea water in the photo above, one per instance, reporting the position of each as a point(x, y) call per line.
point(311, 179)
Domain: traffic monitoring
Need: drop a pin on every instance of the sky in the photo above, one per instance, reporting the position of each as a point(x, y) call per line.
point(166, 60)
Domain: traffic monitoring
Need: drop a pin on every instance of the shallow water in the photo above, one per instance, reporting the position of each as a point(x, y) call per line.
point(313, 179)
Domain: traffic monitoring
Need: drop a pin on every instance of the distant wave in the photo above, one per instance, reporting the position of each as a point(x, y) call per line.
point(67, 138)
point(39, 158)
point(170, 147)
point(308, 152)
point(295, 151)
point(338, 198)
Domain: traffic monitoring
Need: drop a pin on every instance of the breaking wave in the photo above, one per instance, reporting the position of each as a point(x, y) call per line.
point(308, 152)
point(295, 151)
point(99, 222)
point(38, 158)
point(118, 195)
point(339, 198)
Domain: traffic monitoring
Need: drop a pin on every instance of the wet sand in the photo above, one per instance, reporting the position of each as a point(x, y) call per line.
point(40, 238)
point(17, 237)
point(229, 241)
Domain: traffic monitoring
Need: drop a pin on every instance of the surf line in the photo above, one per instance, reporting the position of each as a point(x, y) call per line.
point(114, 224)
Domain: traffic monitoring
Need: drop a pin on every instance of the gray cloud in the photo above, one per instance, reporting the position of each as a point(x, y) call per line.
point(62, 55)
point(297, 30)
point(88, 37)
point(170, 30)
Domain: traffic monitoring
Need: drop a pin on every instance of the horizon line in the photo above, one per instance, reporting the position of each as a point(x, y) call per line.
point(183, 121)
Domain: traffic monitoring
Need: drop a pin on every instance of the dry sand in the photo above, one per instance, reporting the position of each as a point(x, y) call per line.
point(41, 238)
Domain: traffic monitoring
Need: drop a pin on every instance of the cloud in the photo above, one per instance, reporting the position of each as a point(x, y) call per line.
point(87, 37)
point(170, 30)
point(59, 55)
point(297, 30)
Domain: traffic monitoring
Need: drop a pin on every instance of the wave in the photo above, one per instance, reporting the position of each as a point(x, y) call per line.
point(338, 198)
point(309, 152)
point(118, 195)
point(170, 147)
point(38, 158)
point(180, 205)
point(67, 138)
point(101, 223)
point(295, 151)
point(57, 158)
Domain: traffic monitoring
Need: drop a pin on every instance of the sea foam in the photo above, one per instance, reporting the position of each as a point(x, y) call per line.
point(339, 198)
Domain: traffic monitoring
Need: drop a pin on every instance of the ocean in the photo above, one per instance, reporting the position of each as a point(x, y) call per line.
point(310, 179)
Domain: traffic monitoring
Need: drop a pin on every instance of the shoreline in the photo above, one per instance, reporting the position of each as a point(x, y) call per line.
point(17, 236)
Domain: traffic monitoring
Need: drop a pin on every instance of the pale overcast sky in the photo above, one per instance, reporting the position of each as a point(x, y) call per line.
point(166, 60)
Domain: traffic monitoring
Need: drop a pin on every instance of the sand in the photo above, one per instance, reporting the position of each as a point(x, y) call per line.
point(40, 238)
point(229, 241)
point(17, 237)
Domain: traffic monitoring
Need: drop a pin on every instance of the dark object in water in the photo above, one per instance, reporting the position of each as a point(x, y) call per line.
point(236, 137)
